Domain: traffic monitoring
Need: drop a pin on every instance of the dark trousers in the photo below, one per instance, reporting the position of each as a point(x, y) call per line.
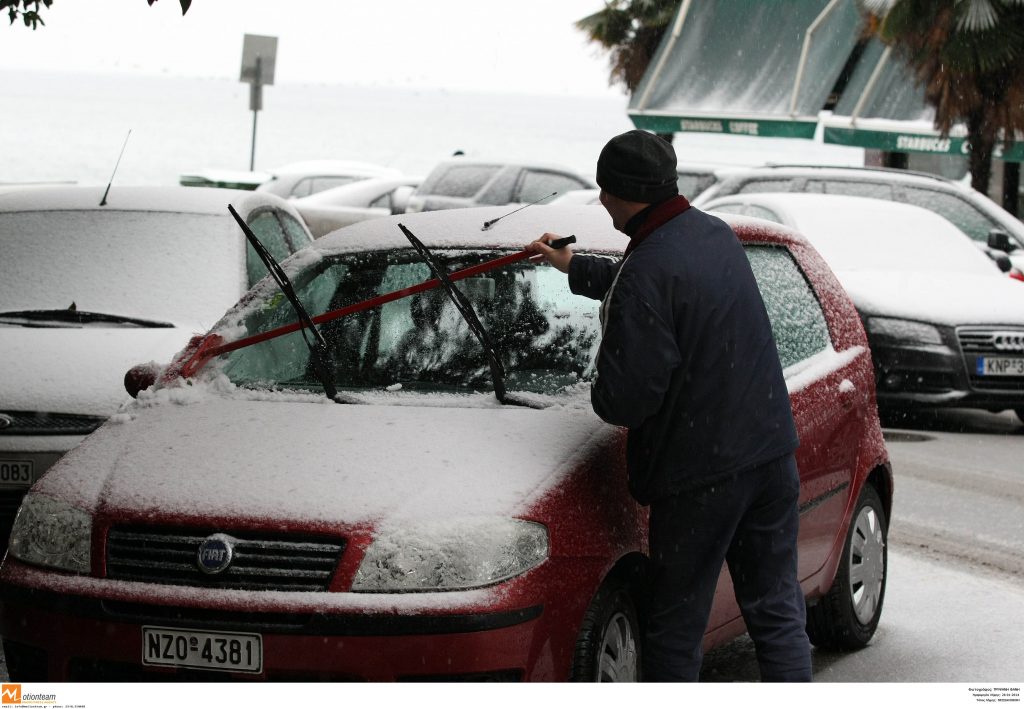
point(749, 520)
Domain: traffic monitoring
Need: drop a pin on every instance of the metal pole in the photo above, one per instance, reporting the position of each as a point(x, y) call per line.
point(255, 102)
point(252, 153)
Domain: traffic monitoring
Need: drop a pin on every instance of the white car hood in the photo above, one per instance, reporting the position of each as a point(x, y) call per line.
point(286, 462)
point(77, 370)
point(940, 298)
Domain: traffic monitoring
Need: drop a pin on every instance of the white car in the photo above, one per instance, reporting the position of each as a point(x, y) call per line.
point(341, 206)
point(87, 291)
point(946, 328)
point(301, 179)
point(972, 212)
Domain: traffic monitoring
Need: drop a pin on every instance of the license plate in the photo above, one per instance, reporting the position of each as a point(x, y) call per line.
point(16, 473)
point(1000, 366)
point(197, 649)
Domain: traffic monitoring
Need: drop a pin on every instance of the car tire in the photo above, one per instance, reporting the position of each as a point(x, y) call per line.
point(847, 616)
point(608, 647)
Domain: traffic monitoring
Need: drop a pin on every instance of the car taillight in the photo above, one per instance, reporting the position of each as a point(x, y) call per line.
point(1016, 273)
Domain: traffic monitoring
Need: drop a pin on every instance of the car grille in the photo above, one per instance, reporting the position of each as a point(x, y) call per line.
point(265, 563)
point(991, 342)
point(41, 423)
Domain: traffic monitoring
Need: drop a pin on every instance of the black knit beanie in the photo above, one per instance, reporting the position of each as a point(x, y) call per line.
point(638, 166)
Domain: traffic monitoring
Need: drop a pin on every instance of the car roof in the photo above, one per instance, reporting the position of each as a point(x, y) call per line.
point(463, 228)
point(845, 171)
point(191, 200)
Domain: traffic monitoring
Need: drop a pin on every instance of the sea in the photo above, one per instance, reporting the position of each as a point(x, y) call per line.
point(70, 127)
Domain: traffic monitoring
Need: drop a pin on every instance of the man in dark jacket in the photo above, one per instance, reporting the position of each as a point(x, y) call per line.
point(689, 365)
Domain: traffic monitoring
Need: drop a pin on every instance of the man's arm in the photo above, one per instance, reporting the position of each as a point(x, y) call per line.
point(589, 276)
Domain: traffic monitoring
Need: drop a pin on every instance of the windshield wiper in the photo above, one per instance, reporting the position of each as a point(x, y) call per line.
point(465, 308)
point(72, 317)
point(319, 352)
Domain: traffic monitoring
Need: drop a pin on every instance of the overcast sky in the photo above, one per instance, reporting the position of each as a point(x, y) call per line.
point(523, 46)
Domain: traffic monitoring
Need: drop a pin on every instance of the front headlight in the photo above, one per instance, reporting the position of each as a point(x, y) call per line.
point(904, 331)
point(49, 532)
point(451, 556)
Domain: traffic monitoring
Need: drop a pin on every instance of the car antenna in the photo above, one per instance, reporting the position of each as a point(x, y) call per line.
point(103, 202)
point(488, 225)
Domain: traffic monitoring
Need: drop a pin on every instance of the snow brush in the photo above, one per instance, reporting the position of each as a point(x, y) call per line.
point(214, 345)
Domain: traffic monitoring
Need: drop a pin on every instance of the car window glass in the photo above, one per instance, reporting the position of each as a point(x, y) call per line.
point(302, 188)
point(297, 234)
point(765, 186)
point(537, 185)
point(382, 202)
point(269, 231)
point(463, 180)
point(545, 337)
point(967, 218)
point(854, 188)
point(319, 184)
point(691, 184)
point(167, 266)
point(798, 322)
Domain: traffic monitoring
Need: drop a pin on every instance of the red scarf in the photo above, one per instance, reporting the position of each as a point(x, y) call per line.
point(657, 215)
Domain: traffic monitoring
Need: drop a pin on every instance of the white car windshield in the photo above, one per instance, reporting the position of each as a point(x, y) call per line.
point(544, 335)
point(157, 265)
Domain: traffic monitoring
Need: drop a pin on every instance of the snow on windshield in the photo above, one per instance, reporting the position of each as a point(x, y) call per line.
point(155, 265)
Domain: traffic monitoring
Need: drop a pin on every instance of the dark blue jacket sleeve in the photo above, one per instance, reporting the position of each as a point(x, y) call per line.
point(592, 276)
point(637, 357)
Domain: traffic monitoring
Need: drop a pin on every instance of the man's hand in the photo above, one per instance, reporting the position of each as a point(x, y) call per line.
point(559, 258)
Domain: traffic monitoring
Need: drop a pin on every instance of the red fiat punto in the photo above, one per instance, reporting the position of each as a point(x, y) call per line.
point(451, 509)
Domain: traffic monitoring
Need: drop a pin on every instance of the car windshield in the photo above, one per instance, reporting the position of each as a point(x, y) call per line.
point(545, 336)
point(160, 266)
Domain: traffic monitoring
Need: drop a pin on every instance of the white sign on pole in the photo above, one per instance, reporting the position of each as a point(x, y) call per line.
point(259, 54)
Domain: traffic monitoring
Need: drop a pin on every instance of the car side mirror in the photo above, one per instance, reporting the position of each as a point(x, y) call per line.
point(400, 198)
point(1000, 241)
point(141, 377)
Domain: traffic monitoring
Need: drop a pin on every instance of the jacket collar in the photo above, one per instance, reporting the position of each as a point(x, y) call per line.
point(640, 226)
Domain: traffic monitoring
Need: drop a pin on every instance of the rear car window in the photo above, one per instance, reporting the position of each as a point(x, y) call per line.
point(312, 185)
point(463, 180)
point(798, 322)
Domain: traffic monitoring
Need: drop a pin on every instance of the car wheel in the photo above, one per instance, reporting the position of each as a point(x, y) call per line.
point(608, 648)
point(846, 618)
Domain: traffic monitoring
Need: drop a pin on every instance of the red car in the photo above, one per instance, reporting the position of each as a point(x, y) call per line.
point(454, 511)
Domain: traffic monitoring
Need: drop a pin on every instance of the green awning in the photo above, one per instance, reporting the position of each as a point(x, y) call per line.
point(746, 68)
point(883, 107)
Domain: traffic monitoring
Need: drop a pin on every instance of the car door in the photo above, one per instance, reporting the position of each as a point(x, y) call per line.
point(824, 407)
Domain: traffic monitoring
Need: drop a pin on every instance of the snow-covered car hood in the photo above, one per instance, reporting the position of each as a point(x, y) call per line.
point(940, 298)
point(318, 463)
point(78, 370)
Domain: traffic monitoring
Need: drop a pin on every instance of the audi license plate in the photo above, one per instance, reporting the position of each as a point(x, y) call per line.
point(197, 649)
point(16, 473)
point(1000, 366)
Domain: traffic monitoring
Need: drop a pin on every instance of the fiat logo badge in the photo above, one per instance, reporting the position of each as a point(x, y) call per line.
point(5, 421)
point(215, 554)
